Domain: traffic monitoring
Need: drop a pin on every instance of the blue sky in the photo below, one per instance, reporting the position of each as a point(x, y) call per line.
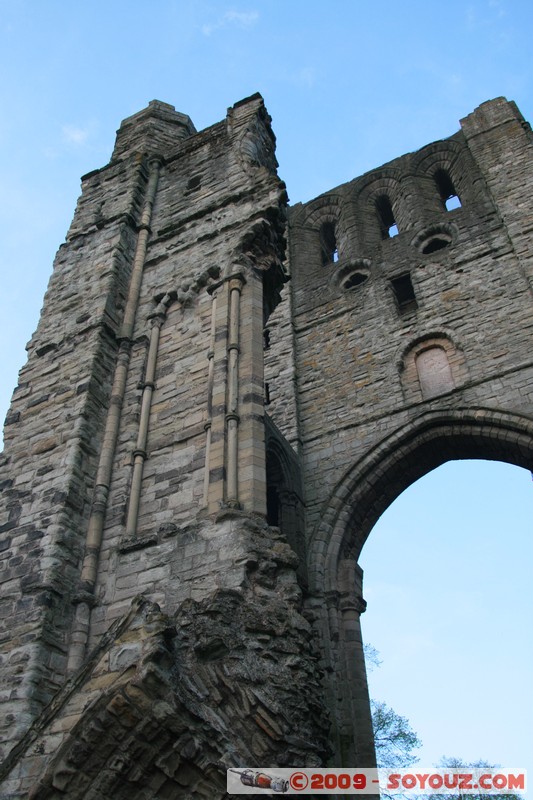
point(349, 84)
point(448, 585)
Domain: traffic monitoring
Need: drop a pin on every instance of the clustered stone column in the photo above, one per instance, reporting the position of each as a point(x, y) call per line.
point(221, 488)
point(139, 454)
point(85, 597)
point(232, 416)
point(210, 382)
point(356, 732)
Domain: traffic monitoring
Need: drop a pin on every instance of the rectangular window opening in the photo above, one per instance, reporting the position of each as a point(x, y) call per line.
point(404, 293)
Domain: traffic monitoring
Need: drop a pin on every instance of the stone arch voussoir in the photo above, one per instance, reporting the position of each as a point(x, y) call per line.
point(399, 459)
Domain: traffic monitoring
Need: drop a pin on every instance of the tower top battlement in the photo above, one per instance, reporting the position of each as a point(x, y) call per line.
point(155, 128)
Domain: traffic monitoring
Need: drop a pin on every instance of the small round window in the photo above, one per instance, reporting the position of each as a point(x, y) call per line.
point(353, 275)
point(433, 239)
point(354, 280)
point(435, 243)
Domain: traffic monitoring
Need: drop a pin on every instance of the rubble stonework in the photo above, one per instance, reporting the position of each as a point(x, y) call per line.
point(207, 428)
point(165, 704)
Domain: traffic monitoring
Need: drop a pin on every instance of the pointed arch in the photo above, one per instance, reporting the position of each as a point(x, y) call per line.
point(371, 485)
point(365, 491)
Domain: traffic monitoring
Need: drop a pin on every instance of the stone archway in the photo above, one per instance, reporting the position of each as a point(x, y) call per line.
point(366, 490)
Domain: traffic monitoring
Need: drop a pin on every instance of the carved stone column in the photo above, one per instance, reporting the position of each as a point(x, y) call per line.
point(84, 598)
point(235, 462)
point(355, 720)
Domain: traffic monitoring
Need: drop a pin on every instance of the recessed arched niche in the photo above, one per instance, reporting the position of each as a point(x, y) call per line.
point(354, 276)
point(432, 366)
point(434, 372)
point(351, 275)
point(434, 238)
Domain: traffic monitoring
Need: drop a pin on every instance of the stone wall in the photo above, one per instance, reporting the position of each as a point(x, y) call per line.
point(354, 338)
point(412, 329)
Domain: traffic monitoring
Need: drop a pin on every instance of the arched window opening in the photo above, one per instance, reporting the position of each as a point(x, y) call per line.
point(328, 241)
point(284, 508)
point(388, 225)
point(448, 195)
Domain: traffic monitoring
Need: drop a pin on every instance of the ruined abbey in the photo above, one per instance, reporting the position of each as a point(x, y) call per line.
point(222, 396)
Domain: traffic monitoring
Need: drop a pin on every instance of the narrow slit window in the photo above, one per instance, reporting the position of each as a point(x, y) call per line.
point(194, 183)
point(404, 293)
point(447, 192)
point(273, 506)
point(275, 485)
point(328, 241)
point(388, 225)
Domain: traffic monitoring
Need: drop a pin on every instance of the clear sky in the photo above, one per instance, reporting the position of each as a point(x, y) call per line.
point(448, 585)
point(350, 84)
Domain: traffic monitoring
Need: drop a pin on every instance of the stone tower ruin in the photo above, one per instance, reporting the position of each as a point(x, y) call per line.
point(222, 396)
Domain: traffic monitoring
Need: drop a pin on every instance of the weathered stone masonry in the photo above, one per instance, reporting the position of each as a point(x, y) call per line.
point(199, 446)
